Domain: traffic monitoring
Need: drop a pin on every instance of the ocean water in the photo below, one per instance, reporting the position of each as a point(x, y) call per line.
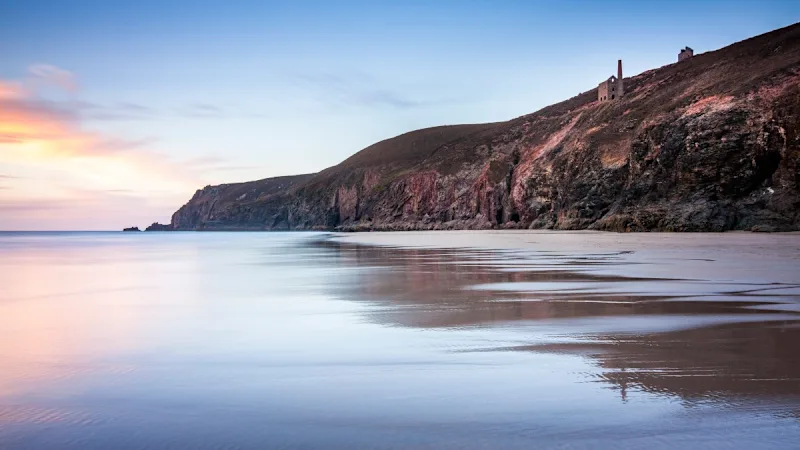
point(300, 341)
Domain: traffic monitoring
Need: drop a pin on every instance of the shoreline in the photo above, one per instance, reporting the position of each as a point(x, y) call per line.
point(708, 257)
point(563, 239)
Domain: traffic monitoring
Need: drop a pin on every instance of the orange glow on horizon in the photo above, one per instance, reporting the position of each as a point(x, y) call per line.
point(46, 158)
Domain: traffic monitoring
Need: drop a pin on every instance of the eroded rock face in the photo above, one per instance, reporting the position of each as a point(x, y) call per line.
point(707, 144)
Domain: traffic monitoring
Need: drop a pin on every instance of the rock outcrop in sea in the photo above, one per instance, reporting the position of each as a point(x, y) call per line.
point(711, 143)
point(155, 226)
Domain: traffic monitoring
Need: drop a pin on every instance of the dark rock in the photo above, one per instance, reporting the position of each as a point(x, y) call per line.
point(155, 226)
point(131, 229)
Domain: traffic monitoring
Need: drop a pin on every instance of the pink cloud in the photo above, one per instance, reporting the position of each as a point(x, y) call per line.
point(47, 74)
point(71, 174)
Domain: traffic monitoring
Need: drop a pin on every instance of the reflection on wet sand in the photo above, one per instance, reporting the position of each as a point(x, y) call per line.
point(701, 340)
point(292, 340)
point(753, 358)
point(48, 335)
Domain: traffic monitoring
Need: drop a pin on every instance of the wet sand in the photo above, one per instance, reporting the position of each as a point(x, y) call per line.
point(739, 256)
point(703, 318)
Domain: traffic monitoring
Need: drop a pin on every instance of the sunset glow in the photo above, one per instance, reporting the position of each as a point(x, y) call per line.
point(51, 168)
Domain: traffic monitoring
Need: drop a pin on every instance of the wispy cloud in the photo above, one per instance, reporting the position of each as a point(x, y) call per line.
point(361, 90)
point(11, 90)
point(19, 97)
point(215, 163)
point(77, 110)
point(48, 128)
point(66, 166)
point(118, 111)
point(48, 74)
point(202, 110)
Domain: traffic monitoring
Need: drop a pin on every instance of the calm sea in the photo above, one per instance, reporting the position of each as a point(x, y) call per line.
point(295, 341)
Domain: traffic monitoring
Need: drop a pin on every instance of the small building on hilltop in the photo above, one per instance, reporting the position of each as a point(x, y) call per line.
point(612, 88)
point(686, 53)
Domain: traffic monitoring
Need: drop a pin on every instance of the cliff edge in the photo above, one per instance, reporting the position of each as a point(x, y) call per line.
point(711, 143)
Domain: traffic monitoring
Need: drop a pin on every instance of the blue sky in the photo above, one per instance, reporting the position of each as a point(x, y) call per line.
point(232, 91)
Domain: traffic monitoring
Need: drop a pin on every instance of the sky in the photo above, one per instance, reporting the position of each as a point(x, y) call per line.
point(113, 113)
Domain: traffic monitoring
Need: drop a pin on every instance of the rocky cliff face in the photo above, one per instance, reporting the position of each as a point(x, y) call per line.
point(707, 144)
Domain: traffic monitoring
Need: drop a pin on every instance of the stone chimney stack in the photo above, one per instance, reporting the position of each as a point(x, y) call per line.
point(620, 87)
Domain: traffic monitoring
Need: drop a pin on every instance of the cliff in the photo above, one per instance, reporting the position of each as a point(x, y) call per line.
point(708, 144)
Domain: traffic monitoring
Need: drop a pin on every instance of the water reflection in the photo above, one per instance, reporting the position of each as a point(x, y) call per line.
point(698, 340)
point(250, 340)
point(55, 315)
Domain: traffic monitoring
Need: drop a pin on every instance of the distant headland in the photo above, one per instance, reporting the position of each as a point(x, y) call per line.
point(708, 143)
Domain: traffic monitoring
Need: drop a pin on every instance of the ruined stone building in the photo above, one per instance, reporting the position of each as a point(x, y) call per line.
point(685, 53)
point(611, 88)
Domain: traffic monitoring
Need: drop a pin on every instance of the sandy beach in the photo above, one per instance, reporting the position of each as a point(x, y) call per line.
point(740, 256)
